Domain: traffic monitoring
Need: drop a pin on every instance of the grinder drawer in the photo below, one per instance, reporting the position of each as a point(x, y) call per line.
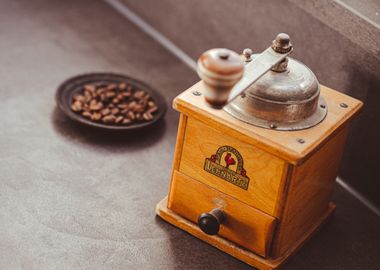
point(243, 224)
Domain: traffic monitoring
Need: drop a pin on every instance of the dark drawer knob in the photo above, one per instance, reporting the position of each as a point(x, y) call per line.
point(210, 222)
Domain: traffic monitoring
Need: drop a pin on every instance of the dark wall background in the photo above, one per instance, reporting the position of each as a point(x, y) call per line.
point(339, 47)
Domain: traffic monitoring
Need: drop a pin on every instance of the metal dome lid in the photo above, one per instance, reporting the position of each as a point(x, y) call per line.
point(285, 98)
point(275, 91)
point(296, 83)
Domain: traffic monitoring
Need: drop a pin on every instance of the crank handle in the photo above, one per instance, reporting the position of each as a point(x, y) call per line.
point(226, 76)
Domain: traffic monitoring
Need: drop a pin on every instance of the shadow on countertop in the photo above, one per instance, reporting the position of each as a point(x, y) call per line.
point(188, 252)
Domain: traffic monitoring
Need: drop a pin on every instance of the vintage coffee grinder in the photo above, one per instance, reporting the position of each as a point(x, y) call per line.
point(258, 149)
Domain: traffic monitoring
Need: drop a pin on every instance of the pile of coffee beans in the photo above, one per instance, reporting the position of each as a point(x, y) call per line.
point(114, 103)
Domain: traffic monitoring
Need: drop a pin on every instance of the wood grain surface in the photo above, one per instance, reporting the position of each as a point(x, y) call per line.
point(178, 146)
point(243, 225)
point(231, 248)
point(309, 193)
point(282, 144)
point(267, 173)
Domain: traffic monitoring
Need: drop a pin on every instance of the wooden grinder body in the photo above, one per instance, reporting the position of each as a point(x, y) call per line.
point(275, 192)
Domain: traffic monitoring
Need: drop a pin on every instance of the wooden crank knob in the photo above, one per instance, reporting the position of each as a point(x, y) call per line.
point(220, 69)
point(210, 222)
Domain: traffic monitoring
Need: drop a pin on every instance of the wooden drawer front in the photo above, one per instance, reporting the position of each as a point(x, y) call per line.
point(244, 225)
point(263, 183)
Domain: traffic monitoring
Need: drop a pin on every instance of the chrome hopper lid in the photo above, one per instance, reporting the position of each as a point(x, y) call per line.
point(275, 92)
point(282, 100)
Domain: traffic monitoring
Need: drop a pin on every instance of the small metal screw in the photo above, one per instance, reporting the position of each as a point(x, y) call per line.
point(282, 43)
point(322, 106)
point(272, 126)
point(343, 105)
point(247, 52)
point(301, 140)
point(197, 93)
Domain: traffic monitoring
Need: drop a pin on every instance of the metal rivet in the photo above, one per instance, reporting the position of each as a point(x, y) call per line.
point(322, 106)
point(197, 93)
point(282, 43)
point(343, 105)
point(301, 140)
point(247, 54)
point(273, 126)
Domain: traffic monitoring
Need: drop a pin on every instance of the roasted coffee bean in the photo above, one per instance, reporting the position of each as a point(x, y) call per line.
point(110, 94)
point(114, 103)
point(122, 86)
point(96, 116)
point(112, 86)
point(142, 102)
point(119, 119)
point(87, 96)
point(79, 97)
point(132, 105)
point(100, 91)
point(87, 114)
point(114, 111)
point(131, 115)
point(103, 97)
point(126, 94)
point(109, 119)
point(139, 94)
point(127, 121)
point(89, 87)
point(122, 106)
point(138, 108)
point(147, 116)
point(86, 108)
point(105, 111)
point(153, 109)
point(77, 106)
point(95, 106)
point(124, 111)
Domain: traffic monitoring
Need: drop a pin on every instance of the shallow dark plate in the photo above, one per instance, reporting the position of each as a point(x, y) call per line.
point(72, 86)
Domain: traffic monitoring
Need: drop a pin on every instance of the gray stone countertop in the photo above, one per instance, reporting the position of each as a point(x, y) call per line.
point(72, 198)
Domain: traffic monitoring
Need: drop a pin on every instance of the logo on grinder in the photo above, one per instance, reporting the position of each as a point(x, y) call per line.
point(227, 163)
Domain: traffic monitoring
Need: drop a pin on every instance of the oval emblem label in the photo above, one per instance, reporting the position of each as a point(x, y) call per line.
point(227, 164)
